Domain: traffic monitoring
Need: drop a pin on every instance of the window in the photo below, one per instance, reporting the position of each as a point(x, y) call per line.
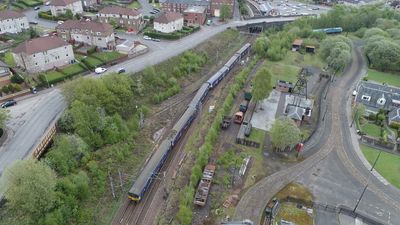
point(34, 55)
point(36, 64)
point(66, 55)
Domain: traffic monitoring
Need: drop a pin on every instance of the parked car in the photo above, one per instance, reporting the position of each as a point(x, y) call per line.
point(146, 37)
point(47, 3)
point(60, 22)
point(36, 8)
point(155, 39)
point(100, 70)
point(33, 22)
point(156, 10)
point(121, 70)
point(152, 12)
point(315, 8)
point(8, 103)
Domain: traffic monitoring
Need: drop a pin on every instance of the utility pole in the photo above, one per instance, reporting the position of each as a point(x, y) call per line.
point(366, 186)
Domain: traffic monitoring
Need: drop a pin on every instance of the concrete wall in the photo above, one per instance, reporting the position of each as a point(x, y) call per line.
point(14, 25)
point(169, 27)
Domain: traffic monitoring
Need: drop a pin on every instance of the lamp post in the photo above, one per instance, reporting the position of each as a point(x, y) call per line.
point(366, 186)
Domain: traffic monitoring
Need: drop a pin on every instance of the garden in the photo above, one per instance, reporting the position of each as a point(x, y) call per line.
point(149, 31)
point(373, 125)
point(58, 75)
point(23, 4)
point(383, 77)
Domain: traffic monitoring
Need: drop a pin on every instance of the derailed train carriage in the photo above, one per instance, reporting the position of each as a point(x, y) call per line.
point(154, 165)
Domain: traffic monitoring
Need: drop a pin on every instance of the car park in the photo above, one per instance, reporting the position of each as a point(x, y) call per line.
point(100, 70)
point(8, 103)
point(121, 70)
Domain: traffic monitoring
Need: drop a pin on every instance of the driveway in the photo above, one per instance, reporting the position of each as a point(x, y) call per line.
point(32, 16)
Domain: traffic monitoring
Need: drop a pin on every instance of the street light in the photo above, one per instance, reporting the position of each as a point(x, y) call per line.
point(366, 186)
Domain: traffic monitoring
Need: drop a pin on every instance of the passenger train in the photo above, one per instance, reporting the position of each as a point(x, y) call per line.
point(153, 167)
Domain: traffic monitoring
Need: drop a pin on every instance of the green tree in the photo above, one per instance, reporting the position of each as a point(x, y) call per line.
point(33, 33)
point(29, 187)
point(184, 214)
point(261, 46)
point(284, 133)
point(225, 12)
point(262, 84)
point(69, 14)
point(4, 116)
point(113, 23)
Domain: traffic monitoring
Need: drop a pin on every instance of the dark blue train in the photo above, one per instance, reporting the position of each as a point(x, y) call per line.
point(332, 30)
point(153, 166)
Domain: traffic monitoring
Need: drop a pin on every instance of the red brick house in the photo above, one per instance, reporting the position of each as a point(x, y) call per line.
point(217, 4)
point(195, 15)
point(181, 5)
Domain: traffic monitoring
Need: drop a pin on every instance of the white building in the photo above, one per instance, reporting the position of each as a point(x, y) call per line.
point(43, 53)
point(12, 22)
point(168, 22)
point(88, 33)
point(58, 7)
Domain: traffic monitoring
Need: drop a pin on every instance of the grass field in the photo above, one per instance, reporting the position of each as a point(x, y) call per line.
point(371, 130)
point(381, 77)
point(134, 5)
point(93, 62)
point(107, 56)
point(289, 212)
point(53, 75)
point(73, 69)
point(388, 165)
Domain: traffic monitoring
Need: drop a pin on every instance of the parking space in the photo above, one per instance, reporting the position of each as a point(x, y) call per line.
point(285, 8)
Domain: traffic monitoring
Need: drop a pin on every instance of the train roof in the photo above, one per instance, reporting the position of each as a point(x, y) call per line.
point(217, 75)
point(199, 95)
point(232, 60)
point(183, 119)
point(244, 48)
point(149, 168)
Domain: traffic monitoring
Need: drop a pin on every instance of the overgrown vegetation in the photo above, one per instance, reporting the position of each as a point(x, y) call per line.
point(184, 214)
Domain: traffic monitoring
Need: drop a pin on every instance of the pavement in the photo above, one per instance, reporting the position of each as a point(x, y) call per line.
point(331, 170)
point(264, 115)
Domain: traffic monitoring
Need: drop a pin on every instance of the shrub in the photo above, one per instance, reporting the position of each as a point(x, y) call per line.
point(17, 79)
point(46, 15)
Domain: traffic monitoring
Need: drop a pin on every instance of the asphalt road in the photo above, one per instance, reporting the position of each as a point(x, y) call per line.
point(332, 170)
point(29, 120)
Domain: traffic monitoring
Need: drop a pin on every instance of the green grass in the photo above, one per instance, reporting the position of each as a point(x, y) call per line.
point(289, 212)
point(107, 56)
point(9, 59)
point(53, 75)
point(371, 130)
point(388, 165)
point(381, 77)
point(93, 62)
point(134, 5)
point(281, 71)
point(73, 69)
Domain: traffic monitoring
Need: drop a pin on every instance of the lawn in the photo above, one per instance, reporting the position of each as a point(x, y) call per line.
point(107, 56)
point(53, 76)
point(134, 5)
point(73, 69)
point(371, 130)
point(381, 77)
point(289, 212)
point(92, 62)
point(9, 59)
point(388, 165)
point(281, 71)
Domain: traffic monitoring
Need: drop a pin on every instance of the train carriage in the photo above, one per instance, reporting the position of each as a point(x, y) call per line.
point(232, 61)
point(216, 78)
point(200, 95)
point(244, 50)
point(182, 124)
point(150, 171)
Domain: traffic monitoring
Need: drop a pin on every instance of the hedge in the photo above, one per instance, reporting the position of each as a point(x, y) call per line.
point(46, 15)
point(172, 36)
point(18, 5)
point(210, 140)
point(30, 3)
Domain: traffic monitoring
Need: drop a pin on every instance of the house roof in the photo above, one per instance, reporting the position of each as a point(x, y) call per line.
point(168, 17)
point(297, 42)
point(9, 14)
point(62, 2)
point(376, 96)
point(40, 44)
point(195, 9)
point(394, 115)
point(189, 2)
point(295, 112)
point(119, 10)
point(86, 25)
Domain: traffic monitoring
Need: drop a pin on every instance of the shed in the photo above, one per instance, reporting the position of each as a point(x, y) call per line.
point(310, 48)
point(284, 86)
point(296, 45)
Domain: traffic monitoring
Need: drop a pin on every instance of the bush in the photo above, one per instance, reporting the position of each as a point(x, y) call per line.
point(17, 79)
point(46, 15)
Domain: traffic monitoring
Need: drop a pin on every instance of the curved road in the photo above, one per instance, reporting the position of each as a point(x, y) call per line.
point(332, 169)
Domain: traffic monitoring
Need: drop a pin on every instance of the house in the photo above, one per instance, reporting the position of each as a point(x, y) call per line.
point(43, 53)
point(125, 17)
point(295, 113)
point(58, 7)
point(195, 15)
point(89, 33)
point(296, 45)
point(181, 5)
point(12, 22)
point(376, 96)
point(284, 86)
point(168, 22)
point(87, 4)
point(394, 116)
point(4, 70)
point(217, 4)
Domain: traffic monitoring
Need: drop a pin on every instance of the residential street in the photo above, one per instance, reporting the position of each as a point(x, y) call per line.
point(332, 170)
